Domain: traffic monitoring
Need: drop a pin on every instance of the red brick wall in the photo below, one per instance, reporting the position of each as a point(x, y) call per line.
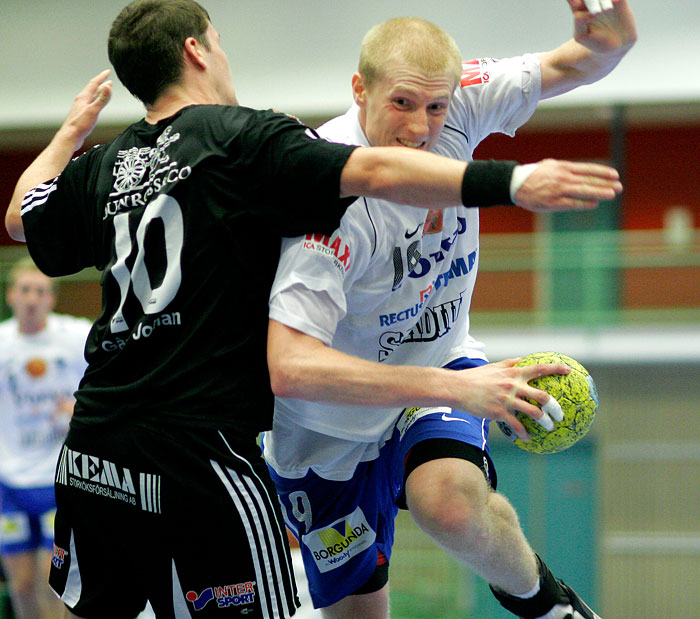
point(662, 170)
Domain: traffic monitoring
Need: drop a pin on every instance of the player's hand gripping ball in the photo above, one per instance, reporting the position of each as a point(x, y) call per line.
point(577, 395)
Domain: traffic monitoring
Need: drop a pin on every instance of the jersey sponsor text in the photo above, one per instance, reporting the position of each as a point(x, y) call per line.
point(433, 324)
point(338, 543)
point(332, 246)
point(104, 478)
point(474, 72)
point(143, 330)
point(227, 595)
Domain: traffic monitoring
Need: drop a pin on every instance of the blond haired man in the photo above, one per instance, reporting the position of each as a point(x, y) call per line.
point(391, 288)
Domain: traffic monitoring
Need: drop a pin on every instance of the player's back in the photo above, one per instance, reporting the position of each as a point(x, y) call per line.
point(184, 219)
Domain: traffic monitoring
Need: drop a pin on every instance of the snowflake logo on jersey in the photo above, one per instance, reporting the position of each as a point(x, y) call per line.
point(129, 169)
point(132, 164)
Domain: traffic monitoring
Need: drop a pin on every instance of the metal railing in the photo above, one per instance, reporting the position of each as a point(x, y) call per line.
point(584, 278)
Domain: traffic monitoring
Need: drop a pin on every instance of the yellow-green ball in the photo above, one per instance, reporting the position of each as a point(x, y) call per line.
point(577, 395)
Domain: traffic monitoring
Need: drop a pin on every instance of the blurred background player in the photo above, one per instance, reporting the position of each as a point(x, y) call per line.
point(41, 363)
point(401, 296)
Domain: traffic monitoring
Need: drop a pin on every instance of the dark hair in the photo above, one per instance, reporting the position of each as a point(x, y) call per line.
point(146, 43)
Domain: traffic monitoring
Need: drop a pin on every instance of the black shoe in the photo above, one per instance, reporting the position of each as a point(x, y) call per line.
point(554, 600)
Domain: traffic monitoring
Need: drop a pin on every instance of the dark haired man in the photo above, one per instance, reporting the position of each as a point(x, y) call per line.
point(161, 490)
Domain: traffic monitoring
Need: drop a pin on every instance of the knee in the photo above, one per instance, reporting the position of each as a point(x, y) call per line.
point(452, 508)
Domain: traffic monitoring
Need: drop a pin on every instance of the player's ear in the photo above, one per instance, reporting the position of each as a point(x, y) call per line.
point(359, 91)
point(193, 52)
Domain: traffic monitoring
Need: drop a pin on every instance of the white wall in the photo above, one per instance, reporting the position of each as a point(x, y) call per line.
point(298, 55)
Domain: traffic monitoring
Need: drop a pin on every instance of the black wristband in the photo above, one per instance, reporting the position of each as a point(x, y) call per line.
point(487, 183)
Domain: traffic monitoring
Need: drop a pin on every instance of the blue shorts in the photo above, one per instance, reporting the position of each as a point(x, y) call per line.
point(346, 528)
point(26, 518)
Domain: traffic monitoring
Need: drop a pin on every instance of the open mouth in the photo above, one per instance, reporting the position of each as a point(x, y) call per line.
point(410, 144)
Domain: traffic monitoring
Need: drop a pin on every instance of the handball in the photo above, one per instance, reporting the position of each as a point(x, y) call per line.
point(577, 395)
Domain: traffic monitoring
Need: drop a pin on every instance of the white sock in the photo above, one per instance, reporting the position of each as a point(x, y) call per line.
point(531, 593)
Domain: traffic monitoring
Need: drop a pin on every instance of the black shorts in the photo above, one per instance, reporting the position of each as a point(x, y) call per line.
point(185, 518)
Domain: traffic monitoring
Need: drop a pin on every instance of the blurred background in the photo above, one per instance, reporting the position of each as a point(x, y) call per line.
point(617, 515)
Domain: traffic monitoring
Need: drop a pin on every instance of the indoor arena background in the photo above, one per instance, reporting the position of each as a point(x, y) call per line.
point(617, 515)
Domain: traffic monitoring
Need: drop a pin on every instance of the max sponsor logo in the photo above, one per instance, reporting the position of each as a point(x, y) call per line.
point(475, 72)
point(239, 594)
point(332, 246)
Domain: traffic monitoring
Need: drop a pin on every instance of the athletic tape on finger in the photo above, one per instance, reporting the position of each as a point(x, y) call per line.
point(593, 6)
point(606, 5)
point(545, 421)
point(553, 409)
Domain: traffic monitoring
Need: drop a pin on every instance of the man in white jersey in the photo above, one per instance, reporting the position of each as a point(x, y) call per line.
point(41, 363)
point(392, 287)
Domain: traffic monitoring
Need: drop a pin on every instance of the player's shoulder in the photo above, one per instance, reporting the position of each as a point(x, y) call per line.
point(218, 121)
point(344, 129)
point(216, 118)
point(8, 327)
point(67, 324)
point(479, 72)
point(10, 340)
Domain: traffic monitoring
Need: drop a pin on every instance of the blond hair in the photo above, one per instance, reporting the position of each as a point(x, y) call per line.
point(410, 40)
point(22, 266)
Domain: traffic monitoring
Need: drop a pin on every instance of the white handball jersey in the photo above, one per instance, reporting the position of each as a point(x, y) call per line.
point(35, 371)
point(381, 289)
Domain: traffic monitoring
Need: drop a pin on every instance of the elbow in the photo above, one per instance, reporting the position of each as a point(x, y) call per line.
point(291, 361)
point(282, 380)
point(368, 173)
point(14, 226)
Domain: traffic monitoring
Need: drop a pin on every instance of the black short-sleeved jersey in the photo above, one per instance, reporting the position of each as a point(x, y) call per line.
point(184, 218)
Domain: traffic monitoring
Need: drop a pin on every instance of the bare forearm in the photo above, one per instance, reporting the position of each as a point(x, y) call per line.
point(302, 367)
point(403, 176)
point(572, 65)
point(56, 156)
point(602, 36)
point(50, 162)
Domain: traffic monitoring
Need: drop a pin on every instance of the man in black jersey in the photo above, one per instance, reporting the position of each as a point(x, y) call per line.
point(161, 491)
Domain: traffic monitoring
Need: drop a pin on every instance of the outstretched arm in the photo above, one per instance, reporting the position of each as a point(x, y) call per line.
point(400, 175)
point(79, 123)
point(604, 30)
point(426, 180)
point(303, 367)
